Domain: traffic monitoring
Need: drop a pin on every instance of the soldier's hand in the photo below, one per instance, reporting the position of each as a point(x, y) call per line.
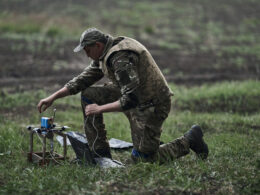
point(92, 109)
point(44, 104)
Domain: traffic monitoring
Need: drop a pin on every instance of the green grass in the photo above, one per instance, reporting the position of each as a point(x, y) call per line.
point(228, 112)
point(237, 96)
point(231, 168)
point(242, 97)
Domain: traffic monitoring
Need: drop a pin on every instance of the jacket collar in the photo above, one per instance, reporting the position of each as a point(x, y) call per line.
point(108, 45)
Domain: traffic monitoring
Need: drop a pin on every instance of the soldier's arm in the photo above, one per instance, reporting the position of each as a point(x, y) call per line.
point(98, 109)
point(124, 64)
point(88, 77)
point(47, 102)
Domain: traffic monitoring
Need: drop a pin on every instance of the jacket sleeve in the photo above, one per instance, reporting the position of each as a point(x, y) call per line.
point(88, 77)
point(124, 65)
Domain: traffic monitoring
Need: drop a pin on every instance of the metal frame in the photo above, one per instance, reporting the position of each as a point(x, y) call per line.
point(45, 157)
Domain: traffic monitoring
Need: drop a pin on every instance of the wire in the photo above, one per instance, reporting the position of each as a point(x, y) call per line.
point(49, 152)
point(93, 148)
point(93, 145)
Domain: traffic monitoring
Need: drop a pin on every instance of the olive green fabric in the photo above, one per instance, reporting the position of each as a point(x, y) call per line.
point(146, 126)
point(88, 77)
point(94, 124)
point(152, 83)
point(124, 65)
point(89, 37)
point(137, 82)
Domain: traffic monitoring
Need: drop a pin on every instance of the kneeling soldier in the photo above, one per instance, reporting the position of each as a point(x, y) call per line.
point(137, 88)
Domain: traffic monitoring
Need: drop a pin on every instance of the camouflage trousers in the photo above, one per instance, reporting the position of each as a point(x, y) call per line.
point(145, 126)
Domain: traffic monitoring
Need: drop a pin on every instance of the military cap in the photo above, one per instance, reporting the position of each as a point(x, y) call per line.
point(89, 37)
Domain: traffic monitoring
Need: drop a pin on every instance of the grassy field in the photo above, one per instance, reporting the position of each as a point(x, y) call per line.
point(231, 128)
point(197, 43)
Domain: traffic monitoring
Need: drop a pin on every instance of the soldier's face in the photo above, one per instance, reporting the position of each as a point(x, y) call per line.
point(94, 51)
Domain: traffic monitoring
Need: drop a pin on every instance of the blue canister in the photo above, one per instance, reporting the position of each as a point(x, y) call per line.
point(45, 122)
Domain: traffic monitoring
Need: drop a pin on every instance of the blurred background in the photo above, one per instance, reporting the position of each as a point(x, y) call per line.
point(193, 42)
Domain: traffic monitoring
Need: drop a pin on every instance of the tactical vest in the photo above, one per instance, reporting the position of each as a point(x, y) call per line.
point(153, 85)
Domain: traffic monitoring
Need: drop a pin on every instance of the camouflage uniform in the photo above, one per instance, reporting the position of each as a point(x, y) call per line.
point(144, 96)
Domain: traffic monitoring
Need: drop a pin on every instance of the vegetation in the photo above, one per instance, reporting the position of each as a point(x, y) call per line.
point(242, 97)
point(231, 168)
point(192, 42)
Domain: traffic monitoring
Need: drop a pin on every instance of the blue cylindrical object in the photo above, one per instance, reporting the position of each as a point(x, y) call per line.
point(45, 122)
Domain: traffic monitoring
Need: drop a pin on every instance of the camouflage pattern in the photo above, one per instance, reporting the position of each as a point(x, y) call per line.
point(92, 73)
point(88, 77)
point(172, 150)
point(153, 85)
point(89, 37)
point(143, 93)
point(124, 66)
point(95, 123)
point(145, 126)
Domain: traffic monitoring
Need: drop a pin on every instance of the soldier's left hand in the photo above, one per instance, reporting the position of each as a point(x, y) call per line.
point(92, 109)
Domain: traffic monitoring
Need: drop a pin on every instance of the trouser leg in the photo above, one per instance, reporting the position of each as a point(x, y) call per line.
point(94, 124)
point(146, 128)
point(173, 150)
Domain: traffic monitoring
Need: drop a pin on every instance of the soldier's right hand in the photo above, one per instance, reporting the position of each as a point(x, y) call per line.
point(44, 103)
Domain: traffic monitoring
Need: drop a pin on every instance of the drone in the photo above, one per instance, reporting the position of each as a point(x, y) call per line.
point(46, 131)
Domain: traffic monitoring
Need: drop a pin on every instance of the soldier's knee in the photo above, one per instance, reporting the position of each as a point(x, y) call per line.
point(85, 92)
point(86, 100)
point(85, 96)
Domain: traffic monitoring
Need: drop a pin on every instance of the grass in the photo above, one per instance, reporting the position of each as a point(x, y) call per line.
point(231, 168)
point(242, 97)
point(228, 112)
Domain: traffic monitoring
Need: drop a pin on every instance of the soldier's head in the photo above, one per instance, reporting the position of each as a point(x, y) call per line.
point(92, 41)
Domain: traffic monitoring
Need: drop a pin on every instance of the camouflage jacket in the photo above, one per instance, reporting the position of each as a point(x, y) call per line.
point(129, 65)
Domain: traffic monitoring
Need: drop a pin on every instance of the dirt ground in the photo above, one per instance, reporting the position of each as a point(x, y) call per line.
point(33, 67)
point(228, 31)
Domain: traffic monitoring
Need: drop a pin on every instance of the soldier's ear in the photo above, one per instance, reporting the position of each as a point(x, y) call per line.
point(100, 46)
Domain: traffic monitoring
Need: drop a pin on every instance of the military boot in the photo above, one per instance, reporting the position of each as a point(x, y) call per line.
point(197, 144)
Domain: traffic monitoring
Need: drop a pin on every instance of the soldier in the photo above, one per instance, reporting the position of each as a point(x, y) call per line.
point(138, 89)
